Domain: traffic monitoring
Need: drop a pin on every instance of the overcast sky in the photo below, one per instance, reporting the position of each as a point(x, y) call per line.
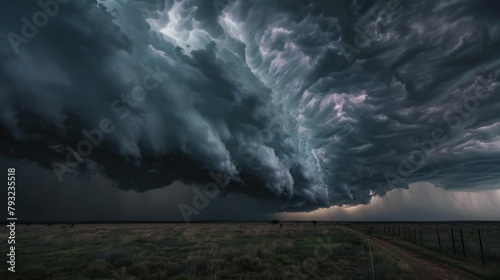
point(201, 109)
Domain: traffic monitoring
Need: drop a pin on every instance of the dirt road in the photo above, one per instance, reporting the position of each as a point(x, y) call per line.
point(430, 269)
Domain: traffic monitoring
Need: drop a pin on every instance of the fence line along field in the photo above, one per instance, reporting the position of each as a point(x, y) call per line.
point(475, 243)
point(290, 250)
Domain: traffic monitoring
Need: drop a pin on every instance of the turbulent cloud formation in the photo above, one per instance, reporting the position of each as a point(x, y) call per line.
point(308, 103)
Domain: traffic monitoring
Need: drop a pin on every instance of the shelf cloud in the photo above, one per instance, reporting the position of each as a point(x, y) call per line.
point(308, 104)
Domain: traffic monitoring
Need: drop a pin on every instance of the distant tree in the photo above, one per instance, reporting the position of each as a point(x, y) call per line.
point(314, 222)
point(275, 222)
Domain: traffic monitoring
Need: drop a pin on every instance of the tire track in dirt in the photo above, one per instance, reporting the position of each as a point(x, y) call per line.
point(429, 269)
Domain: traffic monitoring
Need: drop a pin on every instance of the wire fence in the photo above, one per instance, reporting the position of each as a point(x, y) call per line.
point(470, 242)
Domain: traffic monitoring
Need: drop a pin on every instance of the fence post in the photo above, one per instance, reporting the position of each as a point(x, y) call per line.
point(481, 245)
point(463, 246)
point(415, 235)
point(439, 239)
point(399, 230)
point(453, 241)
point(409, 233)
point(421, 240)
point(404, 228)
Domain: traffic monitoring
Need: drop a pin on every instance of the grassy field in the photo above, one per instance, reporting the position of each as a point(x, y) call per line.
point(200, 251)
point(424, 240)
point(426, 234)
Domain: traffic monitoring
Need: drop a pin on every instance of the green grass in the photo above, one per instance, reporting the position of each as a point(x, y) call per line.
point(200, 251)
point(490, 271)
point(490, 233)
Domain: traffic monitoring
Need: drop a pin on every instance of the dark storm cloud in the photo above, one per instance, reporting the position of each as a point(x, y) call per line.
point(311, 104)
point(97, 200)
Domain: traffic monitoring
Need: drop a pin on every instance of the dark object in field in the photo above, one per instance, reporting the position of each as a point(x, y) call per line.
point(275, 222)
point(314, 222)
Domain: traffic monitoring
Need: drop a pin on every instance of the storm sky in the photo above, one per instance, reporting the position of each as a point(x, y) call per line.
point(122, 109)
